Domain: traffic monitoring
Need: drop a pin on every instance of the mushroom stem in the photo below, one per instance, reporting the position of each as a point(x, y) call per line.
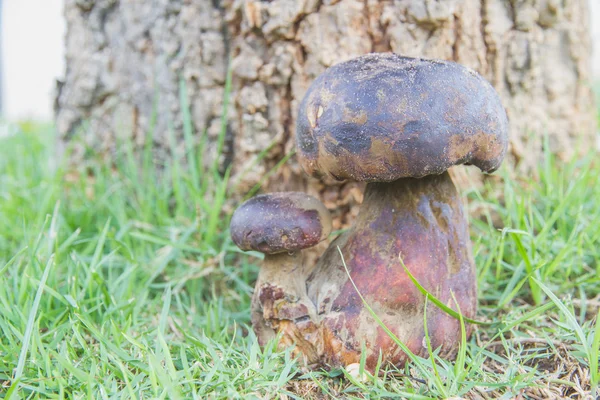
point(280, 302)
point(422, 221)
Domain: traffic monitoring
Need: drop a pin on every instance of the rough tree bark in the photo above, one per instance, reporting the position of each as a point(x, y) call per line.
point(123, 55)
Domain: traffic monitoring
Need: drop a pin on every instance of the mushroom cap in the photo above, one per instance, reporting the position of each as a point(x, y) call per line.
point(382, 117)
point(278, 222)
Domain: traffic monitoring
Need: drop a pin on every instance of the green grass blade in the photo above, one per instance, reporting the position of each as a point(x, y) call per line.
point(31, 320)
point(566, 312)
point(437, 301)
point(188, 136)
point(595, 356)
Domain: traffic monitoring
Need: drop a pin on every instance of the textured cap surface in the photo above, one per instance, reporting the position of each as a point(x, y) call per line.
point(277, 222)
point(382, 117)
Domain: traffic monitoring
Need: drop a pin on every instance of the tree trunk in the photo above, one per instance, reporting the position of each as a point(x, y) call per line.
point(125, 60)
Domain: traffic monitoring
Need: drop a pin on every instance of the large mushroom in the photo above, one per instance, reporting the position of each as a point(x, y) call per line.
point(281, 225)
point(397, 123)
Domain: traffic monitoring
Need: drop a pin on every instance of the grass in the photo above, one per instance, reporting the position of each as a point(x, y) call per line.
point(116, 282)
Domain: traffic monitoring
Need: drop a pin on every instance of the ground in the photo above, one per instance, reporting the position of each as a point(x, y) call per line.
point(116, 282)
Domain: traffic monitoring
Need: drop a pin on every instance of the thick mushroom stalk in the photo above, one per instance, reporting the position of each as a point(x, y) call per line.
point(281, 225)
point(397, 123)
point(422, 221)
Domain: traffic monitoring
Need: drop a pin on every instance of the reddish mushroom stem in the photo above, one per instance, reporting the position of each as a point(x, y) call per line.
point(422, 221)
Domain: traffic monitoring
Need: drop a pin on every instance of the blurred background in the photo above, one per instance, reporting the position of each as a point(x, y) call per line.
point(32, 55)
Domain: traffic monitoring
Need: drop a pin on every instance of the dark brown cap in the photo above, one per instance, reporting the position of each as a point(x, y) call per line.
point(277, 222)
point(382, 117)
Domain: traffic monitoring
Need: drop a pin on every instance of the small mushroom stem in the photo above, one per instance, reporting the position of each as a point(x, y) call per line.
point(280, 302)
point(422, 221)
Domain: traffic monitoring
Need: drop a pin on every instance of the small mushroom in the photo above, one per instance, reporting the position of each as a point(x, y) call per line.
point(280, 225)
point(397, 123)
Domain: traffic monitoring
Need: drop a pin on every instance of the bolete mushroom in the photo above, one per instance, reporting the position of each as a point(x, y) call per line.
point(280, 225)
point(397, 123)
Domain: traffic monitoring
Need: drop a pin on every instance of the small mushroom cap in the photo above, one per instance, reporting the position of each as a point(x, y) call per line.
point(382, 117)
point(278, 222)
